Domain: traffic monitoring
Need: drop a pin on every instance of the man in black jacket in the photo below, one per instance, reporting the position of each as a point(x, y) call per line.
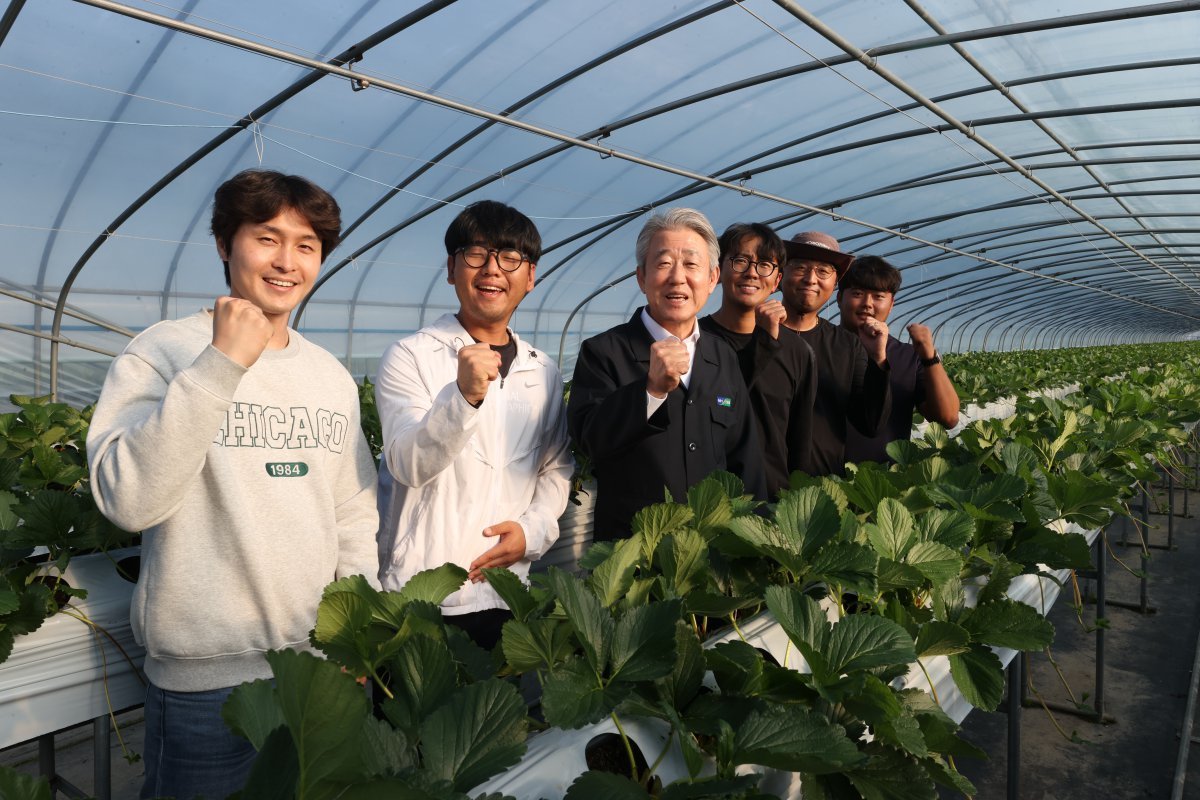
point(778, 366)
point(852, 367)
point(654, 403)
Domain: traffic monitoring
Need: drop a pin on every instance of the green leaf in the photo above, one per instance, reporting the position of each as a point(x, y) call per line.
point(643, 645)
point(612, 578)
point(571, 698)
point(807, 519)
point(512, 591)
point(682, 685)
point(979, 676)
point(999, 579)
point(434, 585)
point(936, 562)
point(713, 788)
point(49, 517)
point(684, 557)
point(892, 534)
point(276, 769)
point(593, 622)
point(10, 601)
point(954, 529)
point(341, 631)
point(796, 740)
point(890, 775)
point(657, 520)
point(869, 486)
point(478, 733)
point(898, 576)
point(8, 519)
point(1007, 623)
point(891, 722)
point(1055, 550)
point(253, 712)
point(1082, 499)
point(941, 639)
point(385, 750)
point(536, 644)
point(19, 786)
point(710, 506)
point(738, 668)
point(804, 622)
point(593, 784)
point(847, 564)
point(323, 708)
point(863, 641)
point(423, 674)
point(769, 540)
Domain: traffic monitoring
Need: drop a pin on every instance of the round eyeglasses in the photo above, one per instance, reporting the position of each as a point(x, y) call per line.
point(763, 268)
point(475, 256)
point(823, 271)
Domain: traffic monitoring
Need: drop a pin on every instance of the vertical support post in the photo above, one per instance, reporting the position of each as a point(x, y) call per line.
point(1170, 509)
point(46, 758)
point(101, 765)
point(1183, 473)
point(1101, 579)
point(1145, 514)
point(1015, 681)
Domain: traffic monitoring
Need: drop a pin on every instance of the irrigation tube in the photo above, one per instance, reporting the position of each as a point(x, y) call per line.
point(1185, 733)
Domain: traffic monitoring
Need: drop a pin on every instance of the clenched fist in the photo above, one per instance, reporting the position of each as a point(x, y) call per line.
point(478, 366)
point(922, 340)
point(240, 330)
point(668, 364)
point(873, 334)
point(769, 316)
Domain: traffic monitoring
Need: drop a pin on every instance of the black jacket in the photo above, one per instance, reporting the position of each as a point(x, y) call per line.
point(781, 375)
point(705, 427)
point(851, 389)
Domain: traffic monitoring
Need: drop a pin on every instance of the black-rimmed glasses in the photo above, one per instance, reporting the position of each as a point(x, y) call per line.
point(475, 256)
point(763, 268)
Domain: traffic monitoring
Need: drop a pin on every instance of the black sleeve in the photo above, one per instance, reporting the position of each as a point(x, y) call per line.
point(743, 454)
point(870, 394)
point(800, 416)
point(607, 410)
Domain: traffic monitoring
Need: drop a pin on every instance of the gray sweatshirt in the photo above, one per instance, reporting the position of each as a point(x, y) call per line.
point(253, 488)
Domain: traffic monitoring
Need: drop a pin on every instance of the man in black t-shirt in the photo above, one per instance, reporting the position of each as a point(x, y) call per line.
point(852, 367)
point(918, 379)
point(779, 368)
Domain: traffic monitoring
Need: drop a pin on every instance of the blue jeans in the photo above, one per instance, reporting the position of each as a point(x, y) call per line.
point(189, 751)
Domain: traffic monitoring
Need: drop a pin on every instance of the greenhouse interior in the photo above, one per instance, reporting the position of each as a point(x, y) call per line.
point(1003, 605)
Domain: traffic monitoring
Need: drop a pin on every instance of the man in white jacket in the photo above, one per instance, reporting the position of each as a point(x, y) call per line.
point(234, 444)
point(477, 466)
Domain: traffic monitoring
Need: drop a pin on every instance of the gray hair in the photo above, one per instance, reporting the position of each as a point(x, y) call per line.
point(674, 219)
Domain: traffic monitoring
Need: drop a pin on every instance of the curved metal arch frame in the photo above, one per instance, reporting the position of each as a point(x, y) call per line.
point(608, 129)
point(999, 30)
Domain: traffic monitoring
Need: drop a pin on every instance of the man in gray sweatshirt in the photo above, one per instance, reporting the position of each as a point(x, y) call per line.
point(234, 444)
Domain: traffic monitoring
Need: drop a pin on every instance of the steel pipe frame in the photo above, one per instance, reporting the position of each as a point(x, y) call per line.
point(350, 54)
point(999, 86)
point(598, 132)
point(933, 41)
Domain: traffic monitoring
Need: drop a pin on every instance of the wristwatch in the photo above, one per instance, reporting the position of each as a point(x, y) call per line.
point(933, 359)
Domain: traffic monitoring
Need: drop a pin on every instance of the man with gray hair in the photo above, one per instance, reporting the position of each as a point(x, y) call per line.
point(653, 403)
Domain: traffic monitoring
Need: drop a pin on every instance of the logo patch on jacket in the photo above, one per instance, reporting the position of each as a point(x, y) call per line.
point(724, 402)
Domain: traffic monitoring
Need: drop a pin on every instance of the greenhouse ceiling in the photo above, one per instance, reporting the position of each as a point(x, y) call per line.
point(1033, 168)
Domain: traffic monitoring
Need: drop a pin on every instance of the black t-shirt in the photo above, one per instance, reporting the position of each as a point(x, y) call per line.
point(907, 378)
point(781, 375)
point(508, 354)
point(851, 390)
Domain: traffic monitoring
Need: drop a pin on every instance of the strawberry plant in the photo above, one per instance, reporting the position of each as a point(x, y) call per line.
point(47, 514)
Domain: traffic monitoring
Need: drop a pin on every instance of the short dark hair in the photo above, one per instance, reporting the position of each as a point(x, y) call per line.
point(256, 195)
point(770, 246)
point(872, 274)
point(496, 225)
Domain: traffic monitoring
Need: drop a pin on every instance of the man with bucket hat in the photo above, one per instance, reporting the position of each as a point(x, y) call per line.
point(852, 368)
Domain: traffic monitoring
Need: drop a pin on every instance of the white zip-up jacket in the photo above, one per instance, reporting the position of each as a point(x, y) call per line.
point(450, 469)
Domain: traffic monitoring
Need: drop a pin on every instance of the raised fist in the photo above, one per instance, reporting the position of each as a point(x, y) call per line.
point(668, 364)
point(240, 330)
point(478, 366)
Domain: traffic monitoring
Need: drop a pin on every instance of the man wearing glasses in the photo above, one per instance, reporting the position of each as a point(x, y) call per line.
point(778, 366)
point(852, 367)
point(655, 403)
point(477, 466)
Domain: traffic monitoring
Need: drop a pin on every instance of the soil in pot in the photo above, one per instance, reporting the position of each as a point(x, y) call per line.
point(129, 568)
point(606, 753)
